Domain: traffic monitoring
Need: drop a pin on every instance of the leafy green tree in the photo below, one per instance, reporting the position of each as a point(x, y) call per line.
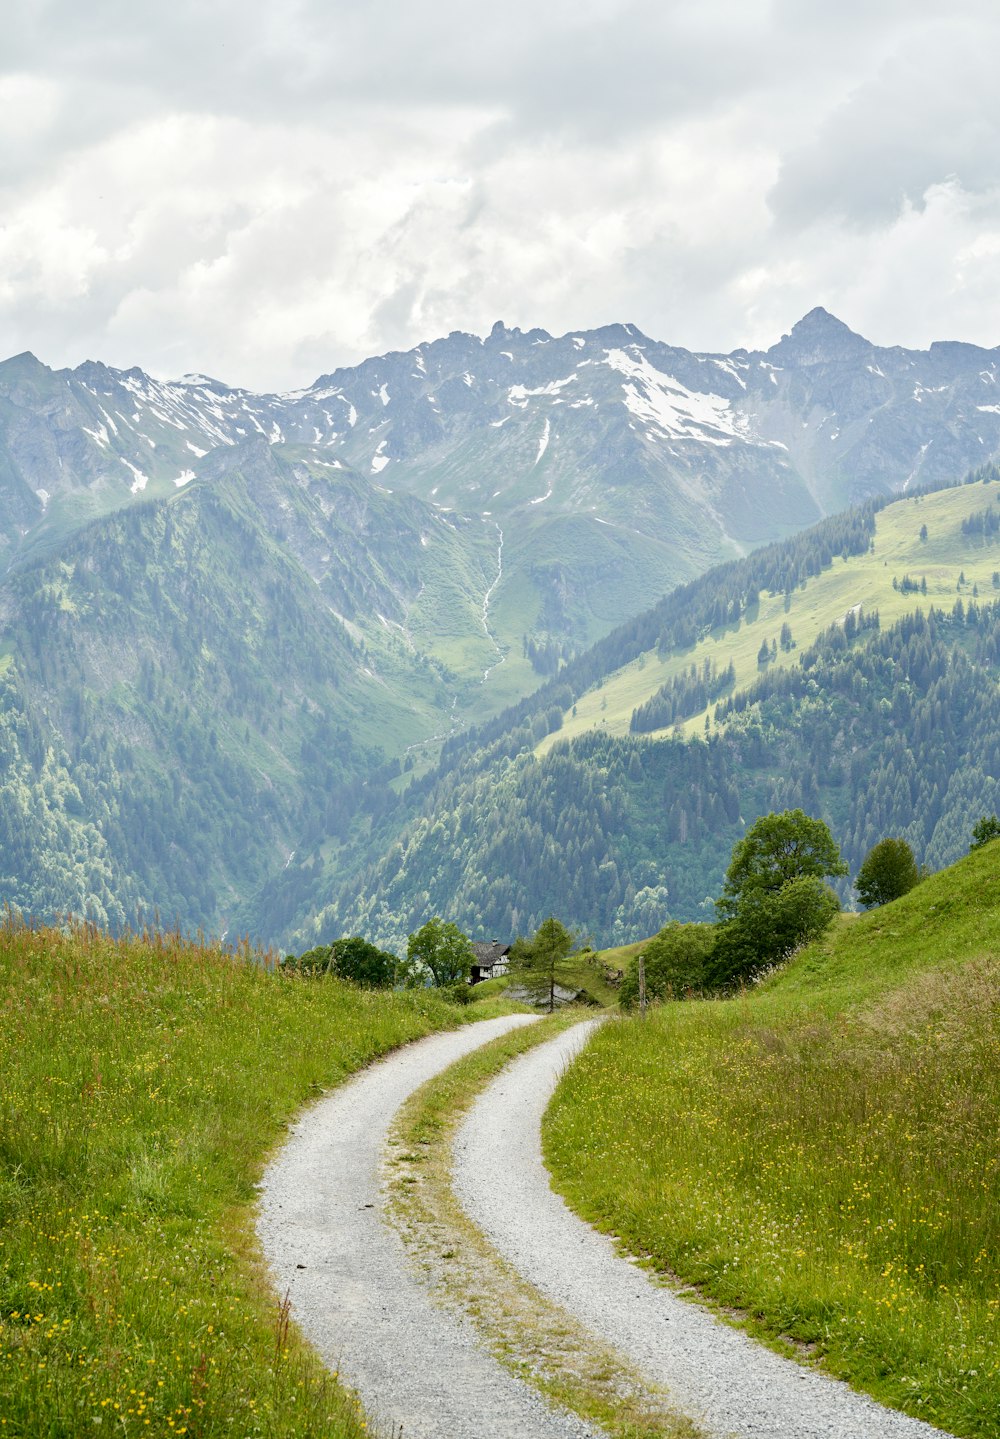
point(985, 829)
point(442, 949)
point(769, 925)
point(540, 963)
point(314, 961)
point(354, 959)
point(774, 898)
point(675, 963)
point(778, 848)
point(363, 963)
point(889, 870)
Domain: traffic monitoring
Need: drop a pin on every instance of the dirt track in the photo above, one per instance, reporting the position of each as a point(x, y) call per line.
point(419, 1369)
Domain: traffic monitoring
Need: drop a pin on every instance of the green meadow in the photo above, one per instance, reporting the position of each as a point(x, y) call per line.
point(143, 1084)
point(820, 1156)
point(864, 581)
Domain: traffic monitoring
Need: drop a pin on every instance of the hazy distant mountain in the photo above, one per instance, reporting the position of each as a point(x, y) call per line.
point(614, 465)
point(330, 581)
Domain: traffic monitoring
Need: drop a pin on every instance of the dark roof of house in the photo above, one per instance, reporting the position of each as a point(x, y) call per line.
point(489, 951)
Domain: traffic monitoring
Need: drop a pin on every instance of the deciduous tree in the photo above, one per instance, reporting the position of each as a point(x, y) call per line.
point(675, 963)
point(889, 870)
point(444, 950)
point(985, 829)
point(364, 963)
point(775, 897)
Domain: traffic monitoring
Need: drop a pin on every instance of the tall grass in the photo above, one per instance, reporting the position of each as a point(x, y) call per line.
point(823, 1154)
point(142, 1084)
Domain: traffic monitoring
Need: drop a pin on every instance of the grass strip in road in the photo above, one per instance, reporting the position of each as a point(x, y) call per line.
point(535, 1339)
point(143, 1082)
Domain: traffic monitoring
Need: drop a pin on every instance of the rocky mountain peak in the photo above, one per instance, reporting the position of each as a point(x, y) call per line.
point(819, 338)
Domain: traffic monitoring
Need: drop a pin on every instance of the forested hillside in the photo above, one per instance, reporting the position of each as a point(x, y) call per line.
point(178, 713)
point(878, 730)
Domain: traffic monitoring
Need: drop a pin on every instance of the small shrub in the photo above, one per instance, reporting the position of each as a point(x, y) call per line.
point(675, 964)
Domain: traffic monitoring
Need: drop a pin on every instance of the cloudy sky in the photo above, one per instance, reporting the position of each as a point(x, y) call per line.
point(263, 191)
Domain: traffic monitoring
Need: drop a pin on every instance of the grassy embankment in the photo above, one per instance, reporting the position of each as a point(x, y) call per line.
point(822, 1153)
point(864, 580)
point(142, 1085)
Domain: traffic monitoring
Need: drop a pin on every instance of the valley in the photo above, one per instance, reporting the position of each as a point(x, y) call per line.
point(249, 643)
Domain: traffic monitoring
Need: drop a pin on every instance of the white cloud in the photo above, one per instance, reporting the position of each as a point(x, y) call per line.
point(267, 192)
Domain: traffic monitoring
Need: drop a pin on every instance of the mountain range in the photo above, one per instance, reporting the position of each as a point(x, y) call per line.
point(614, 465)
point(234, 623)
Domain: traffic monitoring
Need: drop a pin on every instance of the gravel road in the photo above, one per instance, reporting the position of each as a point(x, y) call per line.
point(417, 1368)
point(714, 1373)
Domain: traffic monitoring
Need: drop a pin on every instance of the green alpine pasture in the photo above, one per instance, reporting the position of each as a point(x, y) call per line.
point(860, 581)
point(821, 1154)
point(143, 1084)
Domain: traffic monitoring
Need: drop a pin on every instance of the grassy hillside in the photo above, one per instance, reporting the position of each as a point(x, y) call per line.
point(821, 1154)
point(864, 581)
point(142, 1085)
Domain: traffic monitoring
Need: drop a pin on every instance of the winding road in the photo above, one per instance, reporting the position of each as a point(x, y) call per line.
point(418, 1368)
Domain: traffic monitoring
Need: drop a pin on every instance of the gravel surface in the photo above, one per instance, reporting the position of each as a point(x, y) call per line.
point(716, 1374)
point(417, 1368)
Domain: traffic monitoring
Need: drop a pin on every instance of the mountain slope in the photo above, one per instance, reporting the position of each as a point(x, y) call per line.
point(198, 685)
point(882, 731)
point(820, 1154)
point(216, 603)
point(918, 552)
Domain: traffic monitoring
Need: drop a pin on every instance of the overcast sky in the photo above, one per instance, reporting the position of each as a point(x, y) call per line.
point(264, 191)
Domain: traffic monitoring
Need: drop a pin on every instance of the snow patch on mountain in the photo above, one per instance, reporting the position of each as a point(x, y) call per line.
point(543, 444)
point(729, 368)
point(519, 395)
point(669, 405)
point(140, 480)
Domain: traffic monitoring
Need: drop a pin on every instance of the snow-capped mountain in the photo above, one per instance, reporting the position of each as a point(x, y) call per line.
point(611, 465)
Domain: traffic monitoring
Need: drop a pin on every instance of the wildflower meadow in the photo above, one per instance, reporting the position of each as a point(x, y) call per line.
point(820, 1156)
point(142, 1084)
